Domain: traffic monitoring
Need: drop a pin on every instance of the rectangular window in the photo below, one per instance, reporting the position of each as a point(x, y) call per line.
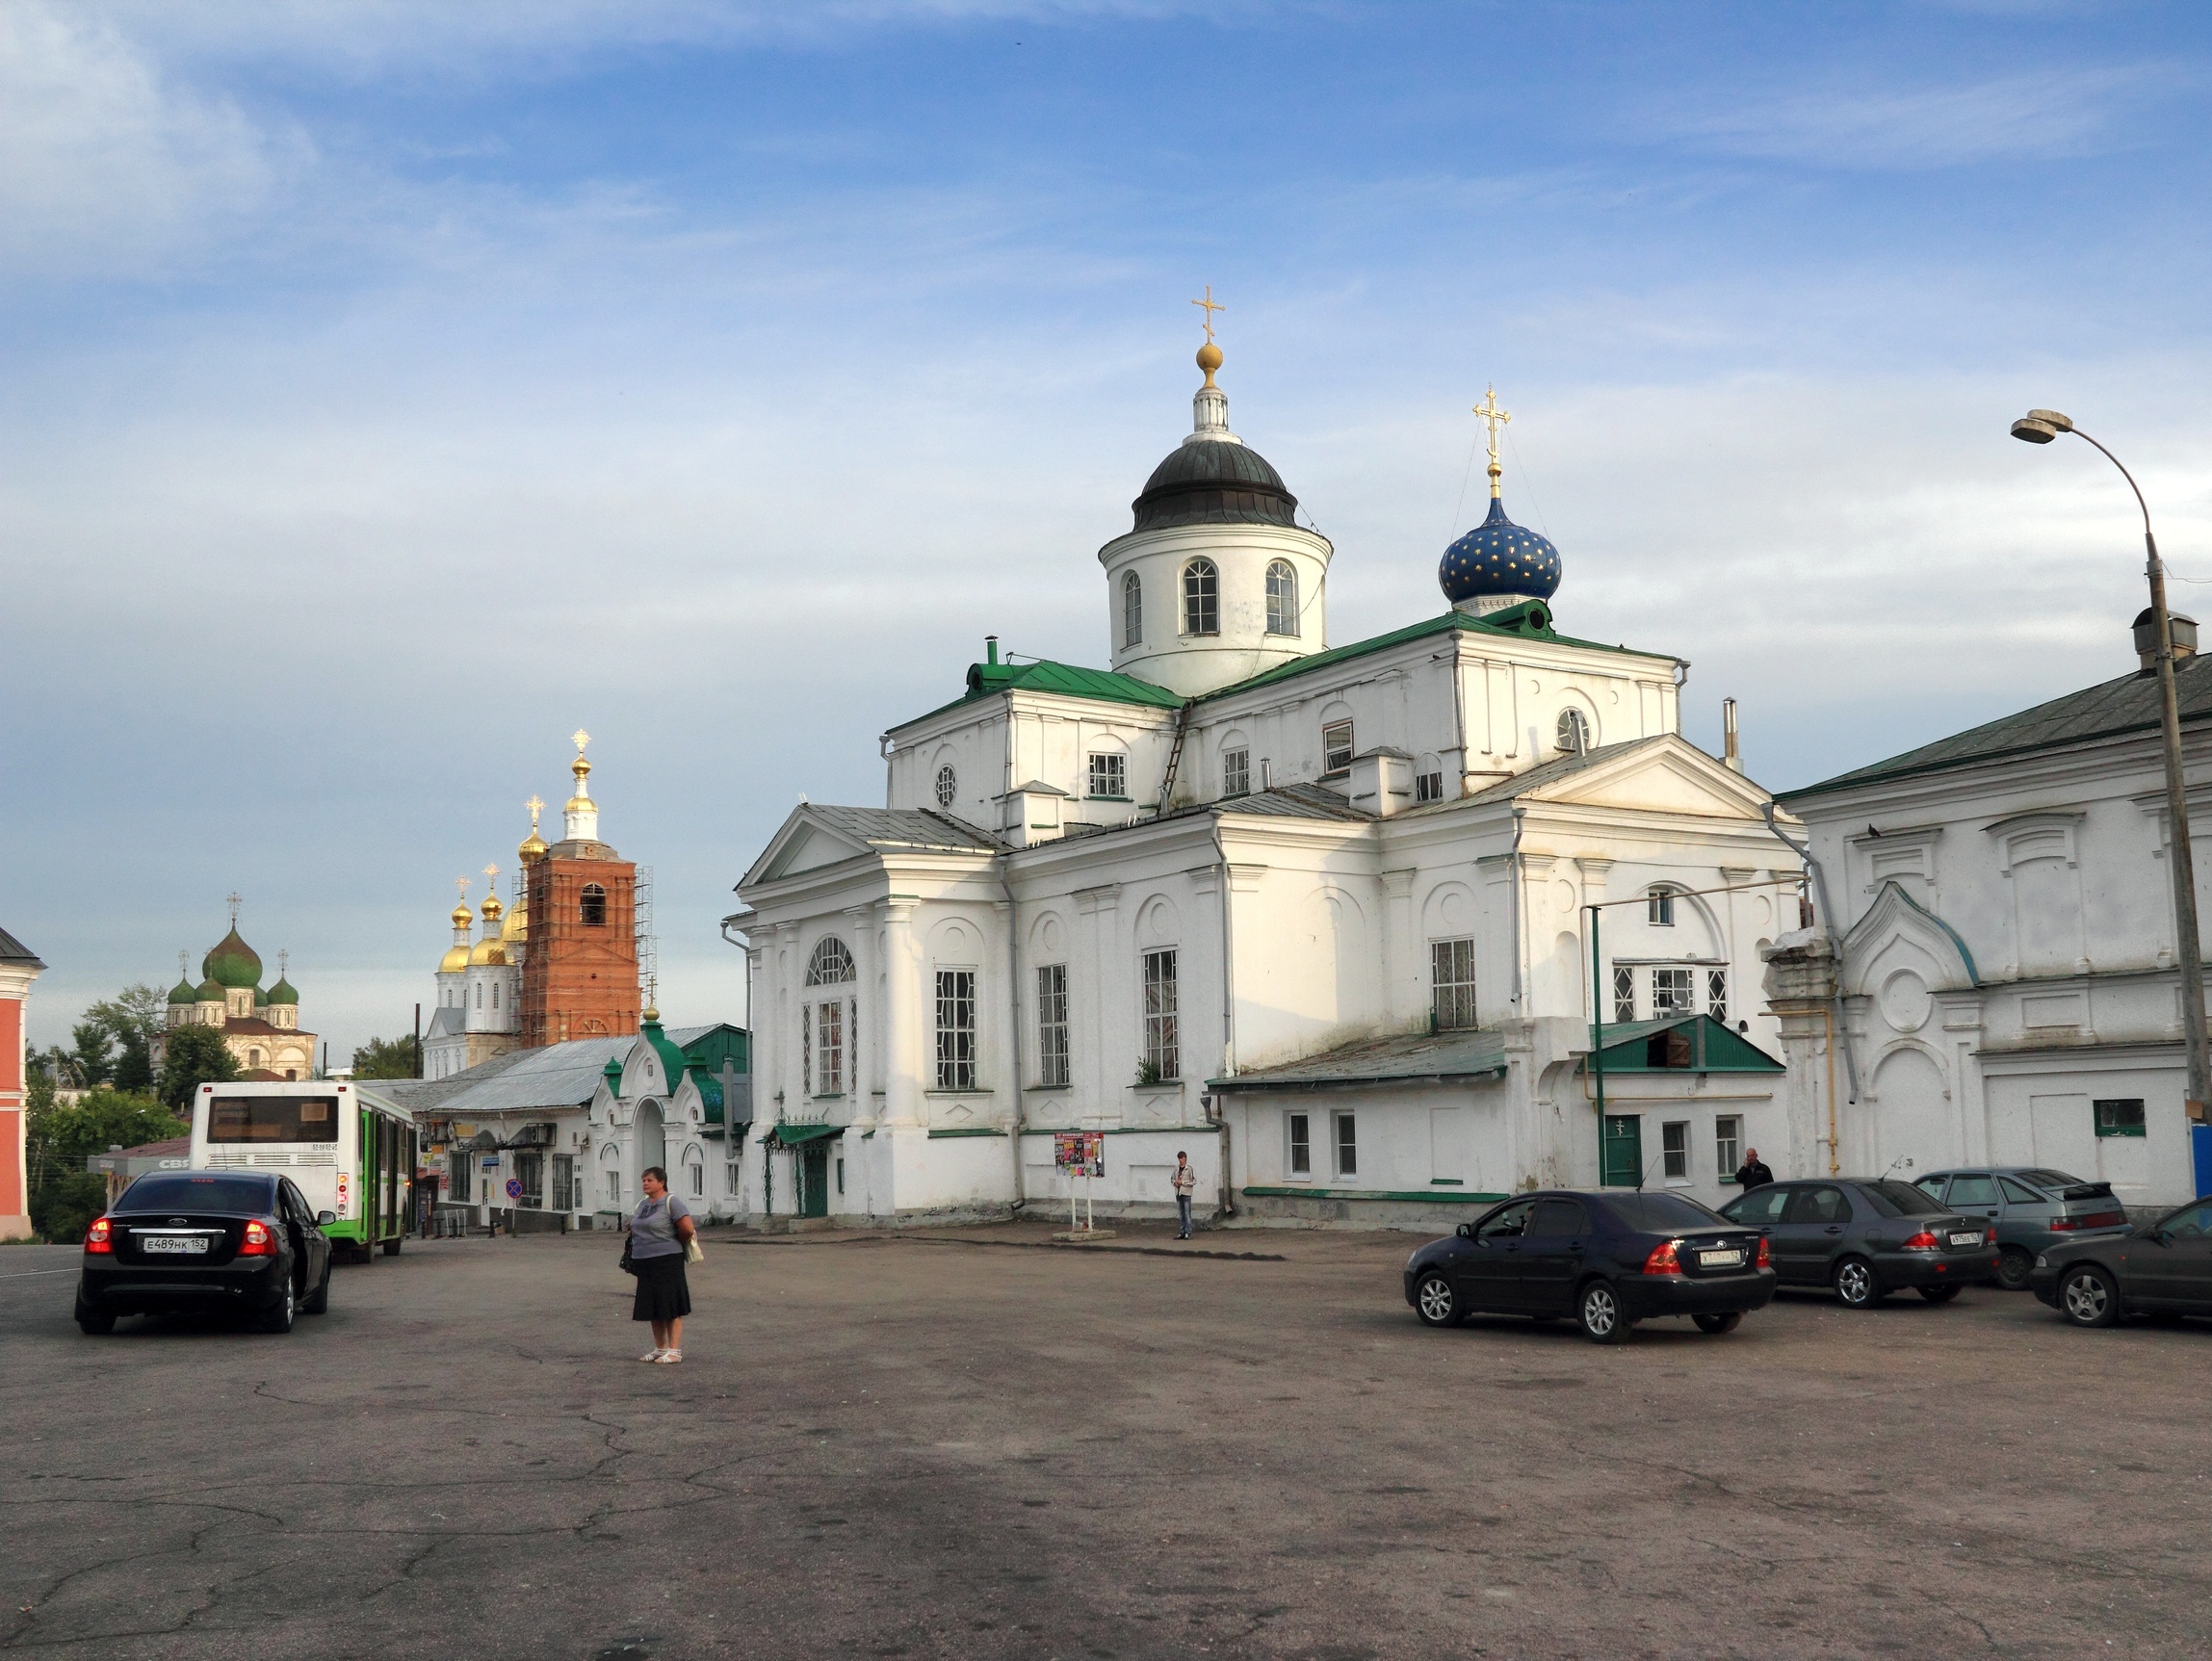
point(841, 1176)
point(565, 1197)
point(459, 1164)
point(1428, 787)
point(530, 1172)
point(1675, 1149)
point(1053, 1023)
point(829, 1047)
point(614, 1187)
point(1109, 777)
point(1727, 1145)
point(1347, 1144)
point(1451, 985)
point(2120, 1119)
point(731, 1176)
point(273, 1119)
point(1301, 1126)
point(697, 1175)
point(1235, 772)
point(1162, 1044)
point(955, 1029)
point(806, 1050)
point(1659, 908)
point(1624, 995)
point(1337, 747)
point(1670, 992)
point(1717, 994)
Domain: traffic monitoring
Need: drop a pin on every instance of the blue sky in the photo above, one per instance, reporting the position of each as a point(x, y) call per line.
point(395, 386)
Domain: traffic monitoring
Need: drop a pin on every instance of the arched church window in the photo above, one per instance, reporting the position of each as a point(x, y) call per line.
point(1201, 598)
point(831, 964)
point(947, 786)
point(1132, 609)
point(1573, 732)
point(1281, 599)
point(253, 1057)
point(495, 995)
point(591, 908)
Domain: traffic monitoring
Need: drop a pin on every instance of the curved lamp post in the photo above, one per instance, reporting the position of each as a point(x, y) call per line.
point(2041, 426)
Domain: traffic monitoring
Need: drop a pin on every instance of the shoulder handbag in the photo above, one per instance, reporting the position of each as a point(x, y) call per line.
point(693, 1252)
point(629, 1264)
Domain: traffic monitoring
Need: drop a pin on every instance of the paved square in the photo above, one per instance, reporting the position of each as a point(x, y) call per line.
point(973, 1444)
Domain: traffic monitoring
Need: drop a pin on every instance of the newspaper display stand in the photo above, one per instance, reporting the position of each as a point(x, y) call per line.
point(1080, 1153)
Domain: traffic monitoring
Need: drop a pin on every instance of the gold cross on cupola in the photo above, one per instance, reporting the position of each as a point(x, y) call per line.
point(1497, 418)
point(235, 902)
point(579, 737)
point(1211, 305)
point(535, 808)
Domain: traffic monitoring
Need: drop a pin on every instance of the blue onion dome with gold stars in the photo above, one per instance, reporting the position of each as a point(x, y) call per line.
point(1498, 557)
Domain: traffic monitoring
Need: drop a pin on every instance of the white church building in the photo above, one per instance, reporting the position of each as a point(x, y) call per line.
point(1311, 914)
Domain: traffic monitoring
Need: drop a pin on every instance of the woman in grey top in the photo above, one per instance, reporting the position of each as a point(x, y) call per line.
point(659, 1229)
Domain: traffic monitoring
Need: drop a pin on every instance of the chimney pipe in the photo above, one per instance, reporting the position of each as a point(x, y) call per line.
point(1731, 757)
point(990, 648)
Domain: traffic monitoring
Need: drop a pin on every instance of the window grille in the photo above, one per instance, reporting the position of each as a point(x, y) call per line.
point(1348, 1145)
point(460, 1164)
point(1132, 609)
point(1301, 1144)
point(1428, 787)
point(1110, 776)
point(530, 1172)
point(831, 964)
point(1717, 994)
point(1572, 734)
point(614, 1186)
point(1235, 772)
point(1624, 995)
point(1670, 992)
point(698, 1179)
point(829, 1047)
point(1201, 598)
point(591, 906)
point(1053, 1023)
point(947, 786)
point(1727, 1145)
point(732, 1176)
point(1659, 908)
point(806, 1050)
point(1281, 599)
point(1675, 1149)
point(1162, 1047)
point(955, 1029)
point(1337, 747)
point(1452, 985)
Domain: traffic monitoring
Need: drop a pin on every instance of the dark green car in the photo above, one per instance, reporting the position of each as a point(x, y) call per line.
point(2033, 1207)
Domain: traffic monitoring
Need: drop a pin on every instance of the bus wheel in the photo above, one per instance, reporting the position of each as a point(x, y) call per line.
point(392, 1247)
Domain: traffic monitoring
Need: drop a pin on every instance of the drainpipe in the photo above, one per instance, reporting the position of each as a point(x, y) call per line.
point(1837, 1034)
point(1512, 900)
point(1220, 1120)
point(1014, 1015)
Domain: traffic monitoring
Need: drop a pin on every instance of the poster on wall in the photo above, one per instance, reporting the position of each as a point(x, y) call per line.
point(1080, 1153)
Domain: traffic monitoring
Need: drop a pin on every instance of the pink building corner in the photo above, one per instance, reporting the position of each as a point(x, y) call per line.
point(18, 968)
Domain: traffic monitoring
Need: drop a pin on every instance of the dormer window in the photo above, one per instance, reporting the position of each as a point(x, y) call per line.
point(1201, 598)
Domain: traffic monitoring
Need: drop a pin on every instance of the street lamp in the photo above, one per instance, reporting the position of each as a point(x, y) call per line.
point(2041, 426)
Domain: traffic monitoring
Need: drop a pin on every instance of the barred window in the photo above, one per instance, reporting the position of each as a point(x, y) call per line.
point(1235, 772)
point(947, 786)
point(1452, 985)
point(831, 964)
point(955, 1029)
point(1281, 599)
point(1337, 747)
point(1162, 1045)
point(1110, 776)
point(1132, 609)
point(1717, 994)
point(1053, 1023)
point(1624, 995)
point(1201, 598)
point(1670, 992)
point(806, 1050)
point(829, 1047)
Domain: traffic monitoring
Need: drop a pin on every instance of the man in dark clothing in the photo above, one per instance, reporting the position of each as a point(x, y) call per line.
point(1750, 1173)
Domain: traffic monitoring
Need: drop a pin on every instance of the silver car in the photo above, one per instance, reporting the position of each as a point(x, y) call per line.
point(2033, 1207)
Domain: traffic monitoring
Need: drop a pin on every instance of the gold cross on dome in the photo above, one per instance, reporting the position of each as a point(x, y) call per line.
point(535, 808)
point(1489, 411)
point(1211, 305)
point(235, 902)
point(491, 876)
point(461, 883)
point(579, 737)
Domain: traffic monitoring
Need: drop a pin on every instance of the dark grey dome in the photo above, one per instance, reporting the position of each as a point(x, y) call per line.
point(1214, 482)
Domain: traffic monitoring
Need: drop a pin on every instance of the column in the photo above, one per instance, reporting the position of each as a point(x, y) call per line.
point(904, 1013)
point(864, 1047)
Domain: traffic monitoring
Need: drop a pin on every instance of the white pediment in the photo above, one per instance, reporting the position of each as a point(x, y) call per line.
point(803, 845)
point(1899, 935)
point(1666, 775)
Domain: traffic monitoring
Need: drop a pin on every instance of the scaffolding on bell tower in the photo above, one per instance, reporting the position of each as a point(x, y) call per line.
point(648, 952)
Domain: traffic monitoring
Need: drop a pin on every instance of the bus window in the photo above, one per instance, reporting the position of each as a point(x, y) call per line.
point(273, 1119)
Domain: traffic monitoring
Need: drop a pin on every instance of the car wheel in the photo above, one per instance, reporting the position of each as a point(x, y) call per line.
point(1939, 1294)
point(2013, 1267)
point(1599, 1310)
point(1436, 1303)
point(318, 1300)
point(277, 1318)
point(2088, 1298)
point(1857, 1285)
point(1717, 1324)
point(93, 1324)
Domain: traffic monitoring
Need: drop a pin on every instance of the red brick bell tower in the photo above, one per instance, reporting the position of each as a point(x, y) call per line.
point(579, 971)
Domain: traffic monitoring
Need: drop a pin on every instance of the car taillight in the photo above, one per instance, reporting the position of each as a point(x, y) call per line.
point(2095, 1220)
point(1923, 1241)
point(96, 1236)
point(1662, 1261)
point(1765, 1257)
point(259, 1242)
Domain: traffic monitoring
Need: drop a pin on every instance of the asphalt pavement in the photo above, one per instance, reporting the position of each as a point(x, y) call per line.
point(975, 1443)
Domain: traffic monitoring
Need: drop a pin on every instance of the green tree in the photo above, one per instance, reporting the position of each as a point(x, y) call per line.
point(385, 1058)
point(194, 1055)
point(114, 1040)
point(64, 1196)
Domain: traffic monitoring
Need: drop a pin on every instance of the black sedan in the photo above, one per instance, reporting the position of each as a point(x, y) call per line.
point(196, 1241)
point(2160, 1269)
point(1609, 1260)
point(1868, 1238)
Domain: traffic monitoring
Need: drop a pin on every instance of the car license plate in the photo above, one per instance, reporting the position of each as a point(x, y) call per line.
point(1971, 1239)
point(1719, 1260)
point(181, 1245)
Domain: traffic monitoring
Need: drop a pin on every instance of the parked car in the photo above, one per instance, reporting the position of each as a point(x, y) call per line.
point(1867, 1238)
point(2160, 1269)
point(177, 1241)
point(2033, 1208)
point(1609, 1260)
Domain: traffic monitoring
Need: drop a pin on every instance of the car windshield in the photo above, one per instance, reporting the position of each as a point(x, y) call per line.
point(1902, 1200)
point(2050, 1178)
point(1661, 1213)
point(179, 1192)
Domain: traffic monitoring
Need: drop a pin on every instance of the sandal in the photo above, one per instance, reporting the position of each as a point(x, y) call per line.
point(670, 1357)
point(652, 1355)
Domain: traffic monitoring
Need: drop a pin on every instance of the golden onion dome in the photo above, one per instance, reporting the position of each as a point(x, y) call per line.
point(533, 848)
point(516, 929)
point(487, 951)
point(455, 959)
point(492, 908)
point(461, 918)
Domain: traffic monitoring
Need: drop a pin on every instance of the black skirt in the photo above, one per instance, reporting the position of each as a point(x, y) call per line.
point(663, 1292)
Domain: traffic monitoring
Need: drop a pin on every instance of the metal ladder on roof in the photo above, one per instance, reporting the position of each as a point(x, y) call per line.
point(1175, 752)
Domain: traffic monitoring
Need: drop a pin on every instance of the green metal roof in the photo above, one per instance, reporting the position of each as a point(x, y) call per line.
point(671, 1058)
point(789, 1135)
point(1680, 1043)
point(183, 992)
point(2126, 705)
point(232, 962)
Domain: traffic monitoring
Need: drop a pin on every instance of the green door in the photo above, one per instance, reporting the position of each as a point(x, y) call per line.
point(1622, 1163)
point(814, 1178)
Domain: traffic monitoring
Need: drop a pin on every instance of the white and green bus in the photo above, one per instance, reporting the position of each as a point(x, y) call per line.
point(348, 1155)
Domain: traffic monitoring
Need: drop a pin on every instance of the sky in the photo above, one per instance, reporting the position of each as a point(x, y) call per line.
point(389, 388)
